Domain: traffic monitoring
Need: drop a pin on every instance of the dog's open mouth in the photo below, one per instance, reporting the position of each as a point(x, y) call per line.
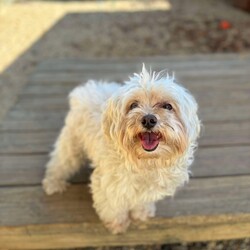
point(149, 140)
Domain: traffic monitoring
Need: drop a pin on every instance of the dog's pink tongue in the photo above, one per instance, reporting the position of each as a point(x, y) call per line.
point(149, 141)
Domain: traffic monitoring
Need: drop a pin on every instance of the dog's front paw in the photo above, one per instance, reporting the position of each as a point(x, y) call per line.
point(143, 212)
point(117, 227)
point(52, 186)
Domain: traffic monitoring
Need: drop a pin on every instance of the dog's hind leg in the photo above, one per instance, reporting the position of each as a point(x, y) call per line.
point(66, 159)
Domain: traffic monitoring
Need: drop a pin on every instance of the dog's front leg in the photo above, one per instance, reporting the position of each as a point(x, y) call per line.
point(109, 203)
point(115, 219)
point(143, 212)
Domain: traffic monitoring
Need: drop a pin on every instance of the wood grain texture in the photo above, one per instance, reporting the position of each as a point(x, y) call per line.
point(8, 125)
point(202, 196)
point(32, 141)
point(213, 134)
point(217, 102)
point(58, 88)
point(210, 113)
point(155, 231)
point(204, 60)
point(188, 69)
point(112, 75)
point(23, 170)
point(224, 95)
point(27, 143)
point(18, 170)
point(189, 62)
point(215, 205)
point(203, 207)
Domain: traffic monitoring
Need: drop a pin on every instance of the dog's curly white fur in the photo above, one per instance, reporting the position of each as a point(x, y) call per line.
point(140, 138)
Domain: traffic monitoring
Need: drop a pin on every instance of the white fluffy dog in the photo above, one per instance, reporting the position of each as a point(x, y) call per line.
point(140, 138)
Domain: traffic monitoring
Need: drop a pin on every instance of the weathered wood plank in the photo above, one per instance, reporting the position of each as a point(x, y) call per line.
point(204, 205)
point(8, 125)
point(209, 162)
point(186, 67)
point(178, 61)
point(206, 209)
point(229, 133)
point(19, 116)
point(213, 134)
point(79, 77)
point(233, 90)
point(155, 231)
point(234, 94)
point(27, 142)
point(233, 83)
point(210, 113)
point(42, 103)
point(205, 196)
point(40, 89)
point(222, 101)
point(221, 161)
point(20, 170)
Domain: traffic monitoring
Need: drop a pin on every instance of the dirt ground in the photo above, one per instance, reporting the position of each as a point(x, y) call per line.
point(34, 31)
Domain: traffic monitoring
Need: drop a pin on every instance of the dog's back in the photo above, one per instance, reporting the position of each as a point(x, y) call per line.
point(92, 95)
point(86, 107)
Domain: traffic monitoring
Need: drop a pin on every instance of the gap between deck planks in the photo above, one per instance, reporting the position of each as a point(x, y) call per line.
point(214, 205)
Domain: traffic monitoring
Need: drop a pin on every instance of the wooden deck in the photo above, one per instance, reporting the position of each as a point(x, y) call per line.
point(214, 205)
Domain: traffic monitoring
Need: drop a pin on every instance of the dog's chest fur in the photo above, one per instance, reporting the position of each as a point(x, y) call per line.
point(132, 187)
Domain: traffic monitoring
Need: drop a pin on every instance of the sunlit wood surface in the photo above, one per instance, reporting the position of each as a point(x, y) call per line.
point(214, 205)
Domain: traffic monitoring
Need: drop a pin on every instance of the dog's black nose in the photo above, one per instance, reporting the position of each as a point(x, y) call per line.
point(148, 121)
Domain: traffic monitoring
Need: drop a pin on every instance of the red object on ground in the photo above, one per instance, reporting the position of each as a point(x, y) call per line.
point(224, 25)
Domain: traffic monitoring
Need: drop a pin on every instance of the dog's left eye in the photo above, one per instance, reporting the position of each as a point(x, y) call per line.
point(133, 105)
point(167, 106)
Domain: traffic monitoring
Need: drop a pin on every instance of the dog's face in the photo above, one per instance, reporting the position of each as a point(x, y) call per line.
point(152, 117)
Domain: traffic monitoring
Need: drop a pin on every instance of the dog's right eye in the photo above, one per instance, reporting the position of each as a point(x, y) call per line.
point(133, 105)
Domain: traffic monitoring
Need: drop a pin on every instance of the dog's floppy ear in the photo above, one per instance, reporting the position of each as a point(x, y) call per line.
point(189, 111)
point(111, 118)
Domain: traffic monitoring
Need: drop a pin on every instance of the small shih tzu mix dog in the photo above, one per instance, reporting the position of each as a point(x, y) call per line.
point(140, 138)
